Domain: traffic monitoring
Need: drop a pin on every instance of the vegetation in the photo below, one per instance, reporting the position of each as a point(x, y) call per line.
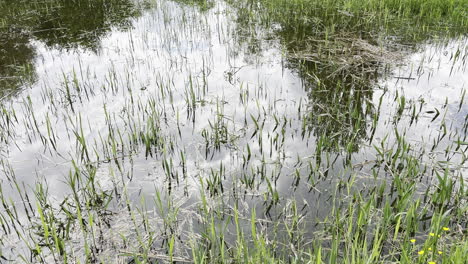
point(251, 131)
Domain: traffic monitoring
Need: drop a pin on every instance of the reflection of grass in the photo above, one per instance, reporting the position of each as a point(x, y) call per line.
point(58, 23)
point(16, 57)
point(240, 212)
point(69, 24)
point(340, 48)
point(82, 23)
point(339, 30)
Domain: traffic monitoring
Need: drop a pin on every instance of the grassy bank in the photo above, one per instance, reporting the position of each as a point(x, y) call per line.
point(348, 16)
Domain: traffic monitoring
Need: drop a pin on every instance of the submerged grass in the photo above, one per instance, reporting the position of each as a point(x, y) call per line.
point(334, 177)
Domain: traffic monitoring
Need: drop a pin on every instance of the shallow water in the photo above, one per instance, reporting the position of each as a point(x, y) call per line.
point(217, 111)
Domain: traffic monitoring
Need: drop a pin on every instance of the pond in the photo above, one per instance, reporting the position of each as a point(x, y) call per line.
point(184, 131)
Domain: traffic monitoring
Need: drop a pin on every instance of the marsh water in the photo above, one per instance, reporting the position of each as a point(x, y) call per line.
point(184, 100)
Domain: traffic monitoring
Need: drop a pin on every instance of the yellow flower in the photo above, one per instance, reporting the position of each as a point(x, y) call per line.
point(413, 240)
point(432, 234)
point(421, 252)
point(431, 262)
point(440, 252)
point(446, 229)
point(430, 249)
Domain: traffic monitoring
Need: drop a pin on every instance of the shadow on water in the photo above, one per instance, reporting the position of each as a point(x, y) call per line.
point(59, 24)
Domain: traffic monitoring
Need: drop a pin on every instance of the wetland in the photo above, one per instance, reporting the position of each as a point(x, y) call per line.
point(221, 131)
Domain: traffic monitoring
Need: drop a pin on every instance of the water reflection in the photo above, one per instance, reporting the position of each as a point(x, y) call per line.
point(339, 76)
point(340, 106)
point(248, 109)
point(16, 58)
point(72, 24)
point(339, 58)
point(59, 24)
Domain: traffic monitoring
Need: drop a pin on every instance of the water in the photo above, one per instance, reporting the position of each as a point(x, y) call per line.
point(235, 119)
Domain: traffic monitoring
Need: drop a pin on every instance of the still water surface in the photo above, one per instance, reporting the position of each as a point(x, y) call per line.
point(217, 104)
